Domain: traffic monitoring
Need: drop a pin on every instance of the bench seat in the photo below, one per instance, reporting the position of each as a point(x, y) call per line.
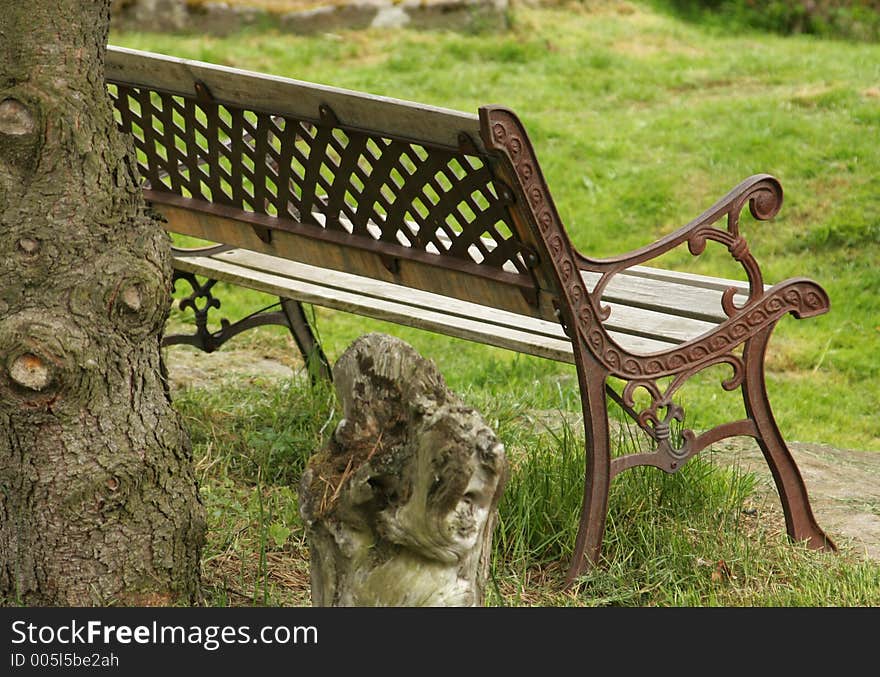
point(651, 310)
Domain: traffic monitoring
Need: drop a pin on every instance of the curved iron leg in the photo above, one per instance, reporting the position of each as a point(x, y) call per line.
point(591, 378)
point(315, 359)
point(799, 520)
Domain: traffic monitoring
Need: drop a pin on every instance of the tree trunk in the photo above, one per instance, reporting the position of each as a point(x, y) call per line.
point(98, 501)
point(400, 507)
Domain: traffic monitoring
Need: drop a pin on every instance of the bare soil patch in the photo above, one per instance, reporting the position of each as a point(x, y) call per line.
point(843, 486)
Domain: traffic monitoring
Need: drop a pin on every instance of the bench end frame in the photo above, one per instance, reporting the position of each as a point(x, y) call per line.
point(598, 357)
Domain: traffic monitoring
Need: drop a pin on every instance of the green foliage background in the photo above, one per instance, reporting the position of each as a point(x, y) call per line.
point(852, 19)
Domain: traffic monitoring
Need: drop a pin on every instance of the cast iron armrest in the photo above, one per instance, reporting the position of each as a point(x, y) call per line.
point(764, 195)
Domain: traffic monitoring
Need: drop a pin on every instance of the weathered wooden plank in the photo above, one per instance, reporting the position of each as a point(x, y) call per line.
point(396, 118)
point(373, 288)
point(473, 329)
point(670, 293)
point(639, 345)
point(652, 324)
point(532, 337)
point(624, 318)
point(691, 279)
point(335, 255)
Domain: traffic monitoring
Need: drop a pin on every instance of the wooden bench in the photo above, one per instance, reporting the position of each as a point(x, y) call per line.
point(443, 221)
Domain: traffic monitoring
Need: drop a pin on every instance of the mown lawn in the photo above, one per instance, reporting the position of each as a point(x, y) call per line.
point(640, 121)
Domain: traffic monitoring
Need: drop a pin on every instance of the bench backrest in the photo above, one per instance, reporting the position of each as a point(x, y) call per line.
point(340, 179)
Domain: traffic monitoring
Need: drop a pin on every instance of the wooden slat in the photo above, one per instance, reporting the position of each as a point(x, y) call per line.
point(624, 318)
point(430, 125)
point(485, 325)
point(691, 279)
point(637, 321)
point(473, 329)
point(667, 292)
point(370, 287)
point(465, 283)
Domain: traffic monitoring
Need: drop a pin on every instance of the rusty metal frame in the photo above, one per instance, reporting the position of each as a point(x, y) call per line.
point(326, 180)
point(598, 357)
point(291, 315)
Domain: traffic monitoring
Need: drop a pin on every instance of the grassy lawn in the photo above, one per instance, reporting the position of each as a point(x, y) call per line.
point(641, 121)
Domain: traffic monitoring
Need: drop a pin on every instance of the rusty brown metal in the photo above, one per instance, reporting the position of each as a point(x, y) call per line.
point(321, 177)
point(738, 342)
point(340, 237)
point(800, 523)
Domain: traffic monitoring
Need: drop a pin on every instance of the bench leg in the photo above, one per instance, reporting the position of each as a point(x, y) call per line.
point(309, 346)
point(800, 523)
point(799, 520)
point(597, 478)
point(202, 301)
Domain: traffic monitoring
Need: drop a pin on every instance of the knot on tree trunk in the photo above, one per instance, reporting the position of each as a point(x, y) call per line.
point(400, 506)
point(19, 140)
point(131, 291)
point(41, 358)
point(15, 118)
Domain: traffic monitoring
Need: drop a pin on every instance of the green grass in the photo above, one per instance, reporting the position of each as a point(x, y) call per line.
point(839, 19)
point(702, 537)
point(641, 120)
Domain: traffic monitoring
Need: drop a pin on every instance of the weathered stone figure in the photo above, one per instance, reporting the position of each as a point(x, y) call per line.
point(98, 501)
point(400, 506)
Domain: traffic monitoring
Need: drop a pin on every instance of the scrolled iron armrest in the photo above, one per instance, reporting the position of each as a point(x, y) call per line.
point(763, 193)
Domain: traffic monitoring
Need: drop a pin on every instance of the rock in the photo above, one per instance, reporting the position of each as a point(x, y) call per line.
point(843, 485)
point(220, 18)
point(151, 15)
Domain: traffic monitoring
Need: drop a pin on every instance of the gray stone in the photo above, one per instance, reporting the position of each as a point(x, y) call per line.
point(151, 15)
point(392, 16)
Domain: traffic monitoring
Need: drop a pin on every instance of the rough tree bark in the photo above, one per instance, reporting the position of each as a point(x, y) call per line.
point(400, 507)
point(98, 501)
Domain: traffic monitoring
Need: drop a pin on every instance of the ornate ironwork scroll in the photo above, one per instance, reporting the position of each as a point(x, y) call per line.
point(201, 301)
point(598, 356)
point(582, 313)
point(319, 174)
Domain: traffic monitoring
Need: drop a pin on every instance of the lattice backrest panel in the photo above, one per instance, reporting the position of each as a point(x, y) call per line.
point(318, 173)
